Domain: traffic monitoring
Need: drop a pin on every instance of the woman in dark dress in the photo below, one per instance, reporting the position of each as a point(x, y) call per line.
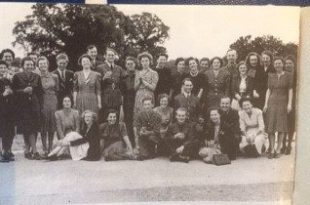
point(90, 133)
point(218, 83)
point(255, 71)
point(129, 94)
point(242, 85)
point(6, 115)
point(198, 79)
point(290, 67)
point(278, 105)
point(115, 141)
point(28, 89)
point(84, 145)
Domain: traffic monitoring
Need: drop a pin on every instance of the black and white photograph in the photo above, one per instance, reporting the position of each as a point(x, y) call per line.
point(147, 104)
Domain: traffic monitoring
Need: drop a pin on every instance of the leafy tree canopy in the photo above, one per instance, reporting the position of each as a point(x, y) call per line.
point(54, 28)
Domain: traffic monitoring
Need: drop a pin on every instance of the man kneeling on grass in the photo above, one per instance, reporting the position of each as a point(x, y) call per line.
point(147, 131)
point(180, 138)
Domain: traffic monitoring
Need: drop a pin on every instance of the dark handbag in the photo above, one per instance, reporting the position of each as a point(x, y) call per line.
point(221, 159)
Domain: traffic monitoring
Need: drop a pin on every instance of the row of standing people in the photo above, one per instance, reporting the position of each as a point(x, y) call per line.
point(102, 90)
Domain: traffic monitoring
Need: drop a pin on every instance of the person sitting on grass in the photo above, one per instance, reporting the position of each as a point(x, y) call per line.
point(147, 130)
point(211, 144)
point(84, 145)
point(114, 139)
point(180, 138)
point(252, 129)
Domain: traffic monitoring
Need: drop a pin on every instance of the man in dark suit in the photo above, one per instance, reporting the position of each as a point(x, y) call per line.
point(65, 78)
point(187, 100)
point(230, 121)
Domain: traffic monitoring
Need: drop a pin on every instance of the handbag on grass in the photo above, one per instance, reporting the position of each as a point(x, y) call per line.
point(221, 159)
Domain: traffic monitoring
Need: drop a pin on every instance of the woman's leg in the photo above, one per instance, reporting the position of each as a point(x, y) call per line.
point(44, 141)
point(271, 137)
point(50, 141)
point(280, 141)
point(32, 140)
point(243, 144)
point(27, 143)
point(284, 147)
point(259, 142)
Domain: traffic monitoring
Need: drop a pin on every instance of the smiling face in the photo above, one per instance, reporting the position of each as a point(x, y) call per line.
point(247, 106)
point(66, 103)
point(289, 65)
point(204, 65)
point(92, 52)
point(145, 62)
point(28, 66)
point(43, 66)
point(216, 64)
point(193, 66)
point(164, 102)
point(112, 118)
point(187, 86)
point(3, 69)
point(88, 118)
point(8, 58)
point(225, 104)
point(181, 66)
point(243, 69)
point(181, 116)
point(266, 59)
point(85, 62)
point(253, 60)
point(161, 61)
point(110, 56)
point(214, 116)
point(278, 65)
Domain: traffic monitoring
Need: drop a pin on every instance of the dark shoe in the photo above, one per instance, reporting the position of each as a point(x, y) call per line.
point(177, 158)
point(270, 155)
point(52, 158)
point(36, 156)
point(11, 156)
point(283, 150)
point(276, 155)
point(28, 155)
point(4, 158)
point(288, 151)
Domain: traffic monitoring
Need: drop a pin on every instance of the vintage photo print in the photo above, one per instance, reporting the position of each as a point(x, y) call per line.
point(147, 103)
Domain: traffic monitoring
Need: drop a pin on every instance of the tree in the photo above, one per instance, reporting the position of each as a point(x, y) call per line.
point(149, 34)
point(69, 28)
point(246, 44)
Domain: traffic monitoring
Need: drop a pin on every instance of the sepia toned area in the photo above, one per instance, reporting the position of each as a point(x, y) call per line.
point(140, 103)
point(301, 191)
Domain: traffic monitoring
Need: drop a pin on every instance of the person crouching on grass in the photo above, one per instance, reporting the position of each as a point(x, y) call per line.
point(114, 139)
point(84, 145)
point(147, 130)
point(180, 138)
point(214, 138)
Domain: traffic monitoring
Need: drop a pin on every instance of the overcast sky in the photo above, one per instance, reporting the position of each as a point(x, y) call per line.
point(194, 30)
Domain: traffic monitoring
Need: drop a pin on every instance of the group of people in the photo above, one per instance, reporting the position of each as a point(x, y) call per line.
point(146, 109)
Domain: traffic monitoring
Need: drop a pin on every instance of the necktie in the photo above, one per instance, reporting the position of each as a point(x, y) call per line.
point(63, 75)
